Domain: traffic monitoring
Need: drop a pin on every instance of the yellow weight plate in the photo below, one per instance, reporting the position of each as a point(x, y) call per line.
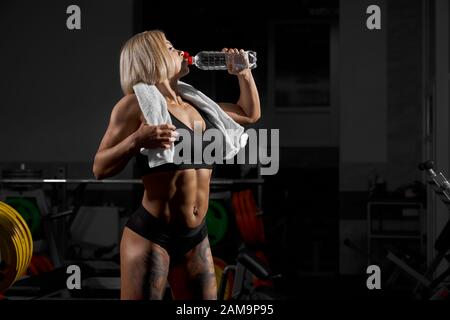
point(15, 234)
point(22, 236)
point(9, 257)
point(26, 239)
point(17, 217)
point(11, 238)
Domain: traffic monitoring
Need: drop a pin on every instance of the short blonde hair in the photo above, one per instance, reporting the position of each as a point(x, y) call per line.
point(145, 58)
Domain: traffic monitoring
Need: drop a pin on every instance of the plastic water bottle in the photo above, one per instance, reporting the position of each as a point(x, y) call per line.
point(217, 60)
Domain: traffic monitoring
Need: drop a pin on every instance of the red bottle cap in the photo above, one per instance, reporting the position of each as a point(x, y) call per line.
point(188, 57)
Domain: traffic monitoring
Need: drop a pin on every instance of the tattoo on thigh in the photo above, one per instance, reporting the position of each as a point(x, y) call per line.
point(205, 251)
point(201, 260)
point(205, 278)
point(158, 265)
point(202, 264)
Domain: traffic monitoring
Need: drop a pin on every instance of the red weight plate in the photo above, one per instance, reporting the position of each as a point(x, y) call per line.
point(249, 218)
point(237, 212)
point(259, 222)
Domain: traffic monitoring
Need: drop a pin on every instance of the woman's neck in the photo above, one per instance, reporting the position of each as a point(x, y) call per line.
point(169, 90)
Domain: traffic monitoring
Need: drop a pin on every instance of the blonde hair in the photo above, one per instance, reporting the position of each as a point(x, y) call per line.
point(145, 58)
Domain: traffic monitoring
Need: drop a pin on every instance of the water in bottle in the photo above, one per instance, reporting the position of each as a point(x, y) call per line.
point(217, 60)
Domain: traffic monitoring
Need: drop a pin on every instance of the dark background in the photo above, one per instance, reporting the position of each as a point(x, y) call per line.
point(350, 104)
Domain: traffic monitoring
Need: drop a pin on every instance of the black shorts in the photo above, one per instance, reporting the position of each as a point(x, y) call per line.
point(176, 242)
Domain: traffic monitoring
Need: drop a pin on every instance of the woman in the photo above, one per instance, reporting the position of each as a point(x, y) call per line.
point(166, 238)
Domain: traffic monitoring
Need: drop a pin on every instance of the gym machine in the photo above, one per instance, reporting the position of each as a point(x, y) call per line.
point(55, 239)
point(248, 265)
point(426, 286)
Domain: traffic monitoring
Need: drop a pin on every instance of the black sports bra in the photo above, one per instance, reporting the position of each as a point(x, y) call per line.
point(143, 169)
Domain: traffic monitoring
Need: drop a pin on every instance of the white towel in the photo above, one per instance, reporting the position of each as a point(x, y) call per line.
point(154, 108)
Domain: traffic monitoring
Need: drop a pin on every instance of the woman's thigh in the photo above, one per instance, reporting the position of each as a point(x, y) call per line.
point(144, 267)
point(194, 277)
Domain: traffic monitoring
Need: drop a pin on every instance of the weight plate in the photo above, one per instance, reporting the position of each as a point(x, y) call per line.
point(249, 227)
point(20, 230)
point(20, 234)
point(8, 259)
point(12, 237)
point(29, 212)
point(219, 266)
point(217, 222)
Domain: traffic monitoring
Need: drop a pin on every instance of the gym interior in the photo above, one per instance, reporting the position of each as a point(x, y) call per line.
point(362, 157)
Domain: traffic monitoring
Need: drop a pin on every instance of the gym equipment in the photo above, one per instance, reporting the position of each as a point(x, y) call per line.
point(249, 236)
point(441, 187)
point(17, 222)
point(37, 195)
point(235, 202)
point(425, 285)
point(48, 216)
point(28, 210)
point(248, 217)
point(16, 246)
point(219, 266)
point(216, 181)
point(441, 294)
point(22, 173)
point(217, 222)
point(84, 228)
point(248, 266)
point(257, 282)
point(39, 264)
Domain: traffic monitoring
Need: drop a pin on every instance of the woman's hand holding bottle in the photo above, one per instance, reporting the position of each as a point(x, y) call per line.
point(237, 61)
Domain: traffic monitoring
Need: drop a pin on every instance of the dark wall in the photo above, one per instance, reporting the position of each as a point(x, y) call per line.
point(58, 86)
point(400, 143)
point(386, 139)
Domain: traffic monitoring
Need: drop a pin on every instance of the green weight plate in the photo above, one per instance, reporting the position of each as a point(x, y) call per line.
point(29, 212)
point(217, 222)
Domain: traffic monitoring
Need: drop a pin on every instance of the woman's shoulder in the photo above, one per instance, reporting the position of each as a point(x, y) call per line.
point(128, 100)
point(128, 107)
